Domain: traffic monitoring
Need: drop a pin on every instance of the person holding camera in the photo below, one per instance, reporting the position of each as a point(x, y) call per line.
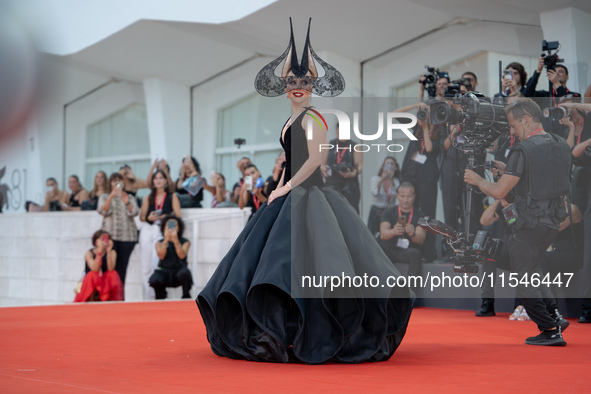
point(118, 210)
point(160, 202)
point(383, 188)
point(101, 282)
point(241, 165)
point(537, 173)
point(401, 238)
point(557, 76)
point(340, 169)
point(189, 169)
point(273, 180)
point(132, 183)
point(172, 251)
point(251, 193)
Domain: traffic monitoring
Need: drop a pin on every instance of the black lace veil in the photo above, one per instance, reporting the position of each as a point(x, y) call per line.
point(330, 84)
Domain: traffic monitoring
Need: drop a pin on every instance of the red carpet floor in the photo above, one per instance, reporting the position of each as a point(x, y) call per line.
point(161, 347)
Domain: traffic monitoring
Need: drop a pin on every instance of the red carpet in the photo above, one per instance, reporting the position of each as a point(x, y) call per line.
point(161, 347)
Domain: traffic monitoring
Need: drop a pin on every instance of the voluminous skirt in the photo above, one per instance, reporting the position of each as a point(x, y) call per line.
point(108, 285)
point(255, 308)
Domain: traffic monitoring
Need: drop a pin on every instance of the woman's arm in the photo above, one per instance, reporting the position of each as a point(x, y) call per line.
point(407, 108)
point(104, 204)
point(144, 211)
point(131, 204)
point(580, 148)
point(161, 247)
point(93, 263)
point(358, 160)
point(427, 140)
point(181, 250)
point(111, 259)
point(176, 205)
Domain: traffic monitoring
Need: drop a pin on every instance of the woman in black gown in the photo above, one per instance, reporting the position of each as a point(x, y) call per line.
point(254, 306)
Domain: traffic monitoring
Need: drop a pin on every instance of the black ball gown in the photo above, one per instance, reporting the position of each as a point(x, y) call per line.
point(247, 305)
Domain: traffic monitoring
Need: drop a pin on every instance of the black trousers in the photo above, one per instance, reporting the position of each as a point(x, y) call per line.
point(526, 247)
point(163, 278)
point(124, 250)
point(410, 256)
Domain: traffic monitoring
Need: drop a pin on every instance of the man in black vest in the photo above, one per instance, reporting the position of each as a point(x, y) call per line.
point(537, 173)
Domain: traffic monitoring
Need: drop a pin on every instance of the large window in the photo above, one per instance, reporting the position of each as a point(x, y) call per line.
point(258, 120)
point(120, 138)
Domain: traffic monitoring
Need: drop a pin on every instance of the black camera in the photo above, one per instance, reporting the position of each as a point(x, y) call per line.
point(453, 89)
point(239, 142)
point(337, 169)
point(482, 122)
point(555, 113)
point(431, 77)
point(551, 59)
point(466, 253)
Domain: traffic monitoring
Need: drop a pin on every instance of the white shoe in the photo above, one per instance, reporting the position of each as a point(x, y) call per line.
point(517, 313)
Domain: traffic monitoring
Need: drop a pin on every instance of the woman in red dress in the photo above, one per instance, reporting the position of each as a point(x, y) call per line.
point(102, 282)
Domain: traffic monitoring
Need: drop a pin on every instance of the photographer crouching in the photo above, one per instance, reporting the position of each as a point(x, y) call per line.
point(537, 174)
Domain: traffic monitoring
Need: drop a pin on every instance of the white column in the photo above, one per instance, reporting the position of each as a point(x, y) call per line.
point(168, 111)
point(572, 27)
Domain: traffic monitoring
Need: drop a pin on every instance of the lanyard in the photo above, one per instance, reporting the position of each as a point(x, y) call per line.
point(340, 155)
point(156, 206)
point(256, 201)
point(387, 189)
point(533, 132)
point(409, 217)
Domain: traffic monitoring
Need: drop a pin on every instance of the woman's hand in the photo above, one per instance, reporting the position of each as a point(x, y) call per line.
point(153, 217)
point(124, 197)
point(282, 191)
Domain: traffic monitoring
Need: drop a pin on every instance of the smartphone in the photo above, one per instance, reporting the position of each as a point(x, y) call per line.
point(402, 220)
point(388, 166)
point(105, 238)
point(171, 224)
point(119, 185)
point(248, 182)
point(509, 74)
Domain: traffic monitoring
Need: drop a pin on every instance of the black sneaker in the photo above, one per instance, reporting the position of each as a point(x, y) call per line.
point(487, 308)
point(547, 338)
point(585, 317)
point(560, 321)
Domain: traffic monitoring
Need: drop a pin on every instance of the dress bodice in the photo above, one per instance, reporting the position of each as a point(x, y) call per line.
point(295, 146)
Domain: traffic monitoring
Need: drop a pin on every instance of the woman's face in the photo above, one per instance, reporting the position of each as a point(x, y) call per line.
point(99, 179)
point(51, 184)
point(516, 76)
point(219, 181)
point(390, 165)
point(73, 184)
point(299, 89)
point(115, 181)
point(159, 180)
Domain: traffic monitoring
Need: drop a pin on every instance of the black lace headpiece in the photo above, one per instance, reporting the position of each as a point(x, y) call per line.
point(330, 84)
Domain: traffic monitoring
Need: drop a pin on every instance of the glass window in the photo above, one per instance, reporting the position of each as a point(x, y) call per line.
point(258, 120)
point(120, 138)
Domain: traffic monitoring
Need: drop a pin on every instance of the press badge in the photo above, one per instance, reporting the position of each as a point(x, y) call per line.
point(419, 158)
point(403, 243)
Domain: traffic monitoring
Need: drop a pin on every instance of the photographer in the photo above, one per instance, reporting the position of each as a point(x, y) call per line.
point(118, 210)
point(435, 82)
point(241, 165)
point(383, 189)
point(251, 193)
point(401, 238)
point(340, 169)
point(514, 80)
point(172, 251)
point(472, 79)
point(537, 172)
point(420, 167)
point(557, 77)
